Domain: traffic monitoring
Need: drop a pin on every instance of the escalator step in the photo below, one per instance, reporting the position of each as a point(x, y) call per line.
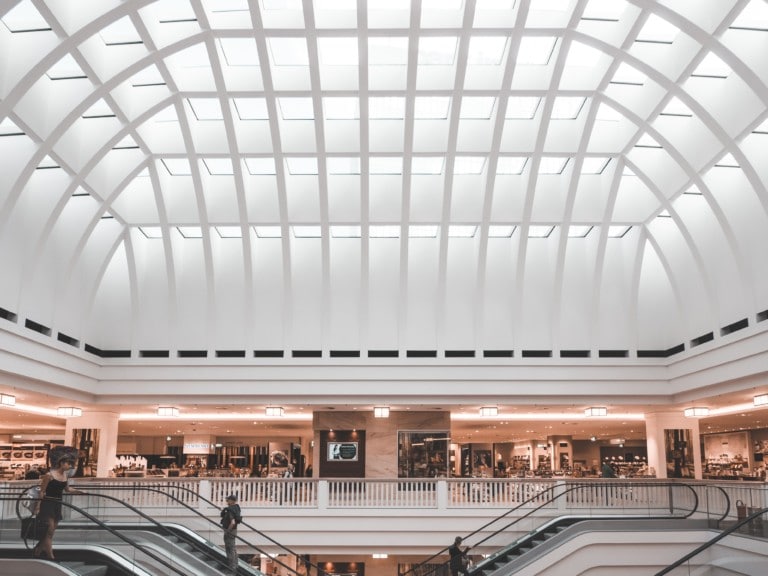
point(86, 569)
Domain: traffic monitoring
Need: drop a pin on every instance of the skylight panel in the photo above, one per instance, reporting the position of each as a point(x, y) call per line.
point(522, 107)
point(540, 231)
point(550, 165)
point(229, 231)
point(24, 17)
point(9, 128)
point(626, 74)
point(437, 50)
point(177, 166)
point(431, 107)
point(567, 107)
point(219, 166)
point(495, 4)
point(606, 10)
point(712, 67)
point(150, 76)
point(296, 108)
point(427, 164)
point(195, 56)
point(47, 163)
point(127, 143)
point(387, 51)
point(657, 30)
point(550, 5)
point(386, 108)
point(386, 165)
point(240, 51)
point(66, 69)
point(281, 4)
point(627, 171)
point(343, 165)
point(606, 113)
point(422, 231)
point(206, 108)
point(383, 231)
point(501, 230)
point(592, 165)
point(693, 190)
point(461, 231)
point(477, 107)
point(727, 161)
point(341, 108)
point(121, 32)
point(251, 108)
point(754, 16)
point(618, 231)
point(268, 231)
point(306, 231)
point(260, 166)
point(676, 107)
point(99, 110)
point(341, 231)
point(511, 165)
point(535, 50)
point(288, 51)
point(336, 4)
point(470, 165)
point(173, 11)
point(487, 50)
point(441, 4)
point(576, 231)
point(190, 231)
point(338, 51)
point(762, 129)
point(582, 56)
point(167, 114)
point(647, 141)
point(152, 232)
point(301, 166)
point(664, 214)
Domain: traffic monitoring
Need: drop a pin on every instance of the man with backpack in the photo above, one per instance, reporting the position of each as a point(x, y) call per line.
point(230, 518)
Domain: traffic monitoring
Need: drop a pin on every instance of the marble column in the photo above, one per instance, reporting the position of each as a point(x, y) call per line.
point(106, 424)
point(673, 441)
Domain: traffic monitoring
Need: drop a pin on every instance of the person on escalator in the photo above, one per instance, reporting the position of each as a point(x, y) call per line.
point(231, 516)
point(459, 558)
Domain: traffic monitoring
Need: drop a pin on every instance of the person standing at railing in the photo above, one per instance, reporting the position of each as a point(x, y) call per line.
point(231, 516)
point(459, 558)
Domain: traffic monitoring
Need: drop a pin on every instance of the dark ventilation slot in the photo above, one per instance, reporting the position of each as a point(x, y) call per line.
point(307, 353)
point(7, 315)
point(268, 353)
point(192, 353)
point(32, 325)
point(93, 350)
point(230, 353)
point(731, 328)
point(61, 337)
point(652, 354)
point(383, 353)
point(761, 316)
point(575, 353)
point(537, 353)
point(459, 353)
point(115, 353)
point(154, 354)
point(703, 339)
point(613, 353)
point(498, 353)
point(345, 353)
point(421, 354)
point(675, 350)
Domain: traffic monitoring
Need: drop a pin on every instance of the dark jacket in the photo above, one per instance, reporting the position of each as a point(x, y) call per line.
point(228, 513)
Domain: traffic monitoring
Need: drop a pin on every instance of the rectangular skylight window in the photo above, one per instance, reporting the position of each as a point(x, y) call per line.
point(577, 231)
point(607, 114)
point(607, 10)
point(727, 161)
point(47, 163)
point(167, 114)
point(712, 67)
point(582, 56)
point(206, 108)
point(387, 51)
point(511, 165)
point(301, 166)
point(567, 107)
point(675, 107)
point(341, 108)
point(431, 107)
point(268, 231)
point(657, 30)
point(550, 5)
point(618, 231)
point(383, 231)
point(340, 231)
point(150, 76)
point(594, 165)
point(550, 165)
point(190, 231)
point(153, 232)
point(251, 108)
point(469, 164)
point(535, 50)
point(296, 108)
point(335, 4)
point(338, 51)
point(754, 16)
point(647, 141)
point(9, 128)
point(240, 51)
point(288, 51)
point(487, 50)
point(229, 231)
point(522, 107)
point(219, 166)
point(24, 17)
point(663, 214)
point(99, 110)
point(386, 108)
point(343, 165)
point(540, 231)
point(66, 69)
point(626, 74)
point(437, 50)
point(121, 32)
point(427, 164)
point(386, 165)
point(177, 166)
point(693, 190)
point(422, 231)
point(501, 230)
point(260, 166)
point(477, 107)
point(306, 231)
point(461, 231)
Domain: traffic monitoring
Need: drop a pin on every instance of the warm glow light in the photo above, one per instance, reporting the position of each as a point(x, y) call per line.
point(7, 400)
point(596, 411)
point(379, 556)
point(274, 411)
point(381, 411)
point(489, 411)
point(760, 400)
point(69, 411)
point(168, 411)
point(696, 412)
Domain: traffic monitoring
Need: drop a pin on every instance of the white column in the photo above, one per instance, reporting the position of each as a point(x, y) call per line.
point(106, 424)
point(658, 440)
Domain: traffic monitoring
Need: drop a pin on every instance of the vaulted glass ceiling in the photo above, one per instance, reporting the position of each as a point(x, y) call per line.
point(484, 177)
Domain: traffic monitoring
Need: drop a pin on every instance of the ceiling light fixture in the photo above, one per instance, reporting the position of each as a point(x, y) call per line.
point(760, 400)
point(596, 411)
point(7, 400)
point(168, 411)
point(489, 411)
point(381, 411)
point(274, 411)
point(69, 411)
point(696, 412)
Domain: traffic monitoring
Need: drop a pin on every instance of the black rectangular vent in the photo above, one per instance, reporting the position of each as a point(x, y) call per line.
point(383, 354)
point(675, 350)
point(192, 353)
point(708, 337)
point(93, 350)
point(537, 353)
point(421, 353)
point(32, 325)
point(761, 316)
point(459, 353)
point(115, 353)
point(652, 354)
point(731, 328)
point(613, 353)
point(7, 315)
point(268, 353)
point(61, 337)
point(345, 353)
point(154, 354)
point(230, 353)
point(498, 353)
point(575, 353)
point(307, 353)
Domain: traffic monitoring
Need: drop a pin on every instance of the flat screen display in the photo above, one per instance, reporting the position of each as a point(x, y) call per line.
point(342, 451)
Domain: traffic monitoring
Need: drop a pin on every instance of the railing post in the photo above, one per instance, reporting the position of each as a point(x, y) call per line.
point(205, 494)
point(322, 495)
point(562, 503)
point(442, 494)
